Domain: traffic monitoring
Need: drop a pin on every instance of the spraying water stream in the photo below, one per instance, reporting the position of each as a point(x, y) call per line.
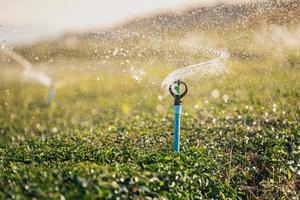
point(29, 72)
point(209, 68)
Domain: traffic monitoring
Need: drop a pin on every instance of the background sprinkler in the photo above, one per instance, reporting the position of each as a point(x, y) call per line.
point(51, 93)
point(177, 110)
point(30, 72)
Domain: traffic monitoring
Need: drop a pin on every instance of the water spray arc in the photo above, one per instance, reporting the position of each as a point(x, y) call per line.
point(198, 71)
point(31, 73)
point(177, 110)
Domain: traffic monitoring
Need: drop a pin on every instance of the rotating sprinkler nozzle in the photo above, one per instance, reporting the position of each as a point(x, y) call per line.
point(175, 91)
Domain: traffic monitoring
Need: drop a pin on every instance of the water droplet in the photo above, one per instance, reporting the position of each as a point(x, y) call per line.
point(266, 113)
point(215, 93)
point(54, 130)
point(225, 98)
point(160, 97)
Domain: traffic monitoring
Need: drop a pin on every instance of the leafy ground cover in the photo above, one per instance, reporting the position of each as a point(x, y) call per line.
point(108, 132)
point(100, 147)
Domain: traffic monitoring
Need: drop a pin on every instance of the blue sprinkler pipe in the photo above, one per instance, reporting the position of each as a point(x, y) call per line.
point(177, 111)
point(51, 94)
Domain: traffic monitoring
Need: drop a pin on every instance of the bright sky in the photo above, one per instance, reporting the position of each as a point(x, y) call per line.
point(29, 20)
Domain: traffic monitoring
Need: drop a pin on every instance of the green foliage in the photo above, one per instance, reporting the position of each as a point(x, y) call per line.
point(108, 136)
point(226, 152)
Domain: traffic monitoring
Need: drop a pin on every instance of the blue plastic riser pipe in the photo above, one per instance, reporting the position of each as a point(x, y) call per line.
point(51, 95)
point(177, 113)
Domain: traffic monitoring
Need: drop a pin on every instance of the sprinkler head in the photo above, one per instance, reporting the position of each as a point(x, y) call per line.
point(177, 95)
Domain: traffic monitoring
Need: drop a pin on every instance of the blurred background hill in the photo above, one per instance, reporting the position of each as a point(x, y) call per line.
point(162, 36)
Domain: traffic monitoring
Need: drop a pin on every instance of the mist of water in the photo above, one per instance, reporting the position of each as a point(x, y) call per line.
point(276, 37)
point(197, 71)
point(30, 73)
